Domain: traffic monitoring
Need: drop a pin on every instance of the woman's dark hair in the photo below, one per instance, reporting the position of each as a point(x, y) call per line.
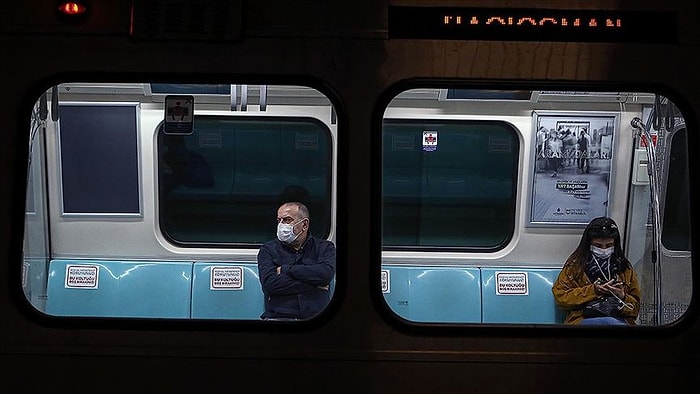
point(600, 227)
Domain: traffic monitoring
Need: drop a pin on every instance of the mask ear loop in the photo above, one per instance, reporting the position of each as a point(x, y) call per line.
point(300, 220)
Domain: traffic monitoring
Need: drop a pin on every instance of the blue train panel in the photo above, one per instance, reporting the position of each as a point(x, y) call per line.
point(119, 289)
point(519, 296)
point(226, 291)
point(433, 294)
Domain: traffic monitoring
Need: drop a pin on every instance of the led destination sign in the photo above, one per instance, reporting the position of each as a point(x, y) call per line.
point(506, 24)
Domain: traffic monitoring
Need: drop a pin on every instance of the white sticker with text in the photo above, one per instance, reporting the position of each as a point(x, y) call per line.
point(511, 283)
point(386, 282)
point(226, 278)
point(82, 276)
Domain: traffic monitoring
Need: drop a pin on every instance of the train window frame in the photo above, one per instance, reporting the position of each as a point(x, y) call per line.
point(407, 312)
point(59, 255)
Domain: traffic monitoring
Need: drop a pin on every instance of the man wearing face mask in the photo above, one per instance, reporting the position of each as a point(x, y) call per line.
point(597, 284)
point(295, 269)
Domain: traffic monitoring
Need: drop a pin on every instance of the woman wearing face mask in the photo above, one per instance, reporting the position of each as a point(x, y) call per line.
point(296, 268)
point(597, 284)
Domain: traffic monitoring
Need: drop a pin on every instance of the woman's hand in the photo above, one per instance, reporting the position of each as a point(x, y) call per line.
point(610, 287)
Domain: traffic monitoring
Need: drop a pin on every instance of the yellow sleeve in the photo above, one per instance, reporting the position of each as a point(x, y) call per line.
point(572, 290)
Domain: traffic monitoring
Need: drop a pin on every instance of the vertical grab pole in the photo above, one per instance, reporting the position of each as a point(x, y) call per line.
point(656, 215)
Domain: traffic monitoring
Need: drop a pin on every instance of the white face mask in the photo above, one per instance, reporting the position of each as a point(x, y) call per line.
point(285, 232)
point(602, 253)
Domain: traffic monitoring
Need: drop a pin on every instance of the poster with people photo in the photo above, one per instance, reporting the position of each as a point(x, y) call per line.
point(572, 167)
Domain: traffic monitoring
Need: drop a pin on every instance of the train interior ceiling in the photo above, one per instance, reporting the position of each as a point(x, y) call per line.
point(190, 189)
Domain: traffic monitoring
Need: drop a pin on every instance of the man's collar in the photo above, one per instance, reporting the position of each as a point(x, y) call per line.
point(301, 247)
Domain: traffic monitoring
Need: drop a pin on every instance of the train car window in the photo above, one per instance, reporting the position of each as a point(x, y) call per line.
point(438, 173)
point(458, 192)
point(676, 218)
point(220, 184)
point(124, 220)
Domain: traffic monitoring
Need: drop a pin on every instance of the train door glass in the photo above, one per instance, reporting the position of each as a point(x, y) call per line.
point(464, 171)
point(124, 220)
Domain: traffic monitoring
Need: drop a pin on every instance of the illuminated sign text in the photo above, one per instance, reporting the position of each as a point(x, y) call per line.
point(531, 24)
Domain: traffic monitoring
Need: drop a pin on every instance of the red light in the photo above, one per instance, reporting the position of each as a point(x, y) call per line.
point(72, 8)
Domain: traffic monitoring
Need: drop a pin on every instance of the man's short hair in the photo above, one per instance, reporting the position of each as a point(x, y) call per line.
point(303, 210)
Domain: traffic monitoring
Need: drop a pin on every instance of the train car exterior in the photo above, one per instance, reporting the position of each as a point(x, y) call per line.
point(453, 154)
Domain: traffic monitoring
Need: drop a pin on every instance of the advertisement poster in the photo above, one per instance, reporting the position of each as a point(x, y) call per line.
point(573, 157)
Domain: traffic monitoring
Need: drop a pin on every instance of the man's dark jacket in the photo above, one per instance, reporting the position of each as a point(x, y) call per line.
point(301, 289)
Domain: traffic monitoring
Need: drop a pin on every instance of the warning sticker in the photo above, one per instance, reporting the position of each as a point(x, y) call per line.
point(511, 283)
point(210, 139)
point(179, 115)
point(430, 140)
point(386, 282)
point(305, 141)
point(226, 278)
point(82, 276)
point(402, 143)
point(25, 273)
